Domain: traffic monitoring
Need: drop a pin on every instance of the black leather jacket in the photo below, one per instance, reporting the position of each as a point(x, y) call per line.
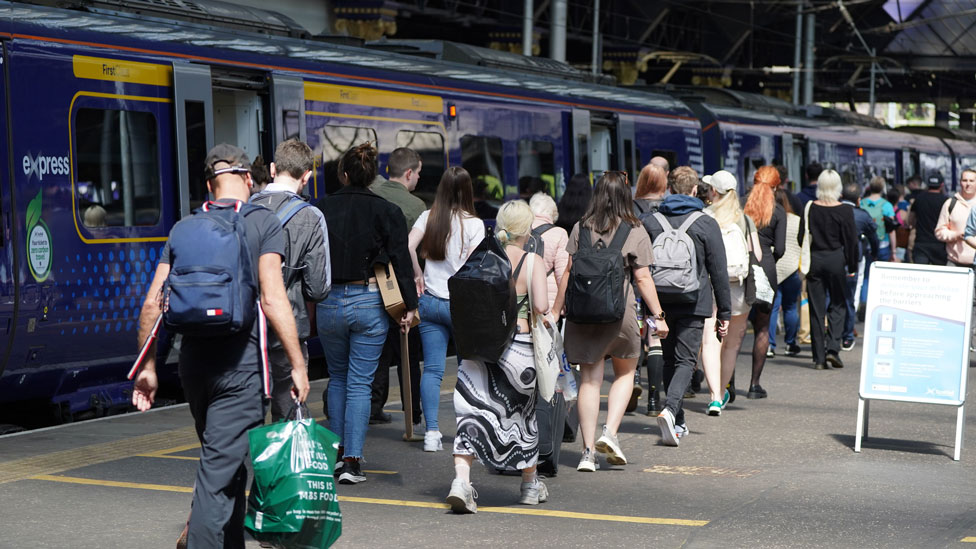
point(365, 229)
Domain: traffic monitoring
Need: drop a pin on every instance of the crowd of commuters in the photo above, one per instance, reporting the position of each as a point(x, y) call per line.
point(739, 261)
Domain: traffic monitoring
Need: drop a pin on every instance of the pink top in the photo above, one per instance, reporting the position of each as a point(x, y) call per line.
point(950, 229)
point(556, 257)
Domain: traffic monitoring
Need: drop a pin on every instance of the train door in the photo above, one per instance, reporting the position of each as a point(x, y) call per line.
point(628, 160)
point(603, 144)
point(288, 104)
point(909, 164)
point(581, 141)
point(794, 149)
point(9, 290)
point(194, 131)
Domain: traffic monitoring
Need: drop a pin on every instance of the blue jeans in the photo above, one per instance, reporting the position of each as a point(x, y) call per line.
point(352, 325)
point(786, 298)
point(435, 332)
point(884, 254)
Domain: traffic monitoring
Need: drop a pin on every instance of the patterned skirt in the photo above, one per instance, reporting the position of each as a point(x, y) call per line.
point(495, 408)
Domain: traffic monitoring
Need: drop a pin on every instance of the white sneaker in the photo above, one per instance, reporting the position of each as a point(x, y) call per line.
point(665, 421)
point(432, 441)
point(589, 462)
point(533, 493)
point(462, 496)
point(608, 444)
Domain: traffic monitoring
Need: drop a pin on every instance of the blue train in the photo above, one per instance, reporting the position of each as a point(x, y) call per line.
point(108, 116)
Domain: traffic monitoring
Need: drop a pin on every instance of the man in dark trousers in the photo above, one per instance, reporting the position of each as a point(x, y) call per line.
point(867, 234)
point(923, 218)
point(222, 376)
point(403, 167)
point(686, 319)
point(306, 270)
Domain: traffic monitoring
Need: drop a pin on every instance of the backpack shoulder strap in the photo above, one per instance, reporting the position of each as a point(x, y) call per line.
point(584, 238)
point(518, 268)
point(542, 229)
point(623, 231)
point(287, 210)
point(663, 221)
point(692, 217)
point(640, 209)
point(952, 203)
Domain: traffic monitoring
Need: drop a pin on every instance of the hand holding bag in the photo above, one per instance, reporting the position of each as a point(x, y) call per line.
point(547, 346)
point(758, 288)
point(805, 247)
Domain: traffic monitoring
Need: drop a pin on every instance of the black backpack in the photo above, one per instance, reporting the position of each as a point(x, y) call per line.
point(596, 293)
point(483, 306)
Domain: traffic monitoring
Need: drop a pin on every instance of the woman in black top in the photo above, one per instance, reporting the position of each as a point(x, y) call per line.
point(833, 257)
point(364, 229)
point(770, 219)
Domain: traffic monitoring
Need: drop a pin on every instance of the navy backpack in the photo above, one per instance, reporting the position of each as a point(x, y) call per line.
point(212, 288)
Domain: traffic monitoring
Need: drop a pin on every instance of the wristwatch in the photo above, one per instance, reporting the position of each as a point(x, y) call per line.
point(660, 316)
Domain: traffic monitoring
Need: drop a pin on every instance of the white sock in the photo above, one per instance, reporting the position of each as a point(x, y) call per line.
point(529, 477)
point(462, 471)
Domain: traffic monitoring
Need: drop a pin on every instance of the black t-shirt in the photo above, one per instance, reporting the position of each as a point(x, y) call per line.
point(238, 351)
point(927, 207)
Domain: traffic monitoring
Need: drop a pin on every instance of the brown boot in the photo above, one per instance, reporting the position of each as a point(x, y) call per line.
point(181, 541)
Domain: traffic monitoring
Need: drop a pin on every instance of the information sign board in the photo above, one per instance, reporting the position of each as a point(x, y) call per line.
point(916, 337)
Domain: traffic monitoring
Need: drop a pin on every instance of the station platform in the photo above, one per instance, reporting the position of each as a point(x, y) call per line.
point(777, 472)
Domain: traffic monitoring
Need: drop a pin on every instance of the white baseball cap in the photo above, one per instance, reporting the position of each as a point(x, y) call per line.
point(722, 181)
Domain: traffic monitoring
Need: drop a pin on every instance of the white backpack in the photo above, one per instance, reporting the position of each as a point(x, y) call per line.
point(736, 252)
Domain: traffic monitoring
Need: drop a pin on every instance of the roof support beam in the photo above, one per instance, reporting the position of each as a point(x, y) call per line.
point(654, 24)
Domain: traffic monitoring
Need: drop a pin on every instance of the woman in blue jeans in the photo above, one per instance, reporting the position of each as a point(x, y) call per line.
point(446, 235)
point(352, 322)
point(790, 283)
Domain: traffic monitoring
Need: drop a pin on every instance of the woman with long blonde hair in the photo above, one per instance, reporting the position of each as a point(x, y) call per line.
point(770, 219)
point(718, 357)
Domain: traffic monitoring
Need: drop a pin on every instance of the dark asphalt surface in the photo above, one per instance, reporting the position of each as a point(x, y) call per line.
point(778, 472)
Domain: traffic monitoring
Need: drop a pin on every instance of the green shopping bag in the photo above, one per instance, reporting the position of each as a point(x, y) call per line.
point(293, 502)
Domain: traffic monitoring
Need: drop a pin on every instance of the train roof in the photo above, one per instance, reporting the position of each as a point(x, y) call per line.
point(536, 79)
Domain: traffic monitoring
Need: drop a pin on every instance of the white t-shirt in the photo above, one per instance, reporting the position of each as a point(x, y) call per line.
point(436, 273)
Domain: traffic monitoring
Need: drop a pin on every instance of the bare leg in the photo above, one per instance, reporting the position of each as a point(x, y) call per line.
point(462, 467)
point(591, 378)
point(730, 348)
point(620, 390)
point(711, 358)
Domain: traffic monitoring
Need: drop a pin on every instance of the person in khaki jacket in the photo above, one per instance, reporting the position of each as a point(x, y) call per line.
point(952, 224)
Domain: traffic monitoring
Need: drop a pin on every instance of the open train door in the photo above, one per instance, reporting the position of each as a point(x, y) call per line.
point(10, 239)
point(288, 105)
point(194, 131)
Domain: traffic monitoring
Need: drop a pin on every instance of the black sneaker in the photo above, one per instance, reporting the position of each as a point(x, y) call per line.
point(380, 418)
point(834, 360)
point(793, 350)
point(847, 345)
point(352, 473)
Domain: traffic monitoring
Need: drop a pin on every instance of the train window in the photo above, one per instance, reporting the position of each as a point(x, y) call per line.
point(335, 141)
point(290, 122)
point(117, 168)
point(537, 160)
point(671, 156)
point(430, 147)
point(482, 158)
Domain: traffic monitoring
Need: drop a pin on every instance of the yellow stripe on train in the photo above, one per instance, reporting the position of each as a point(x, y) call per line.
point(351, 95)
point(116, 70)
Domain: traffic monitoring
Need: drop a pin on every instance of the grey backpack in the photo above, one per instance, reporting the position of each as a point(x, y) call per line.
point(675, 268)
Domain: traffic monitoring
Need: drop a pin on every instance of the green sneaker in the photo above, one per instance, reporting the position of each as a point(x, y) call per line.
point(726, 399)
point(715, 408)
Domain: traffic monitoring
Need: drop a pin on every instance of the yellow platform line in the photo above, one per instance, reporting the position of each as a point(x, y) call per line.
point(56, 462)
point(401, 503)
point(970, 539)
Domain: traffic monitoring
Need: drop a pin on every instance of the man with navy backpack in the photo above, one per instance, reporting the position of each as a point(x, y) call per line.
point(221, 356)
point(686, 288)
point(306, 271)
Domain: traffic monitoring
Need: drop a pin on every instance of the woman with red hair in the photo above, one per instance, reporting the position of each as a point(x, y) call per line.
point(770, 219)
